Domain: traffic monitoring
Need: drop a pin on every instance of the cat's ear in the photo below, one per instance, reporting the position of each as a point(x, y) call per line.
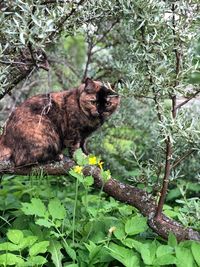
point(111, 89)
point(89, 85)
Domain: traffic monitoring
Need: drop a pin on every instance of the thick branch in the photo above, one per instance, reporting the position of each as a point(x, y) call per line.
point(122, 192)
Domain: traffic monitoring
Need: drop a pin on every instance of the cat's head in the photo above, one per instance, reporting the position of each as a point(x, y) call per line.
point(98, 99)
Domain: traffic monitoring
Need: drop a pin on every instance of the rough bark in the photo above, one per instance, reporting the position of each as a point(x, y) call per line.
point(122, 192)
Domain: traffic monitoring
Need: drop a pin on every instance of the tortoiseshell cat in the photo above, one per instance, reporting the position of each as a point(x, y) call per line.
point(41, 127)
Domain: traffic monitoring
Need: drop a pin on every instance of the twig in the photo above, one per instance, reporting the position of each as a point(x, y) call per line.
point(55, 2)
point(187, 100)
point(14, 62)
point(106, 32)
point(89, 55)
point(178, 63)
point(184, 156)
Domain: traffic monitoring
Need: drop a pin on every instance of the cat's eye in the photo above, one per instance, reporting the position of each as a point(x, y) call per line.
point(93, 102)
point(108, 104)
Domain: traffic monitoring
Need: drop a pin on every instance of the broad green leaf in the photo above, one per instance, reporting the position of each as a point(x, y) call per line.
point(88, 181)
point(119, 233)
point(166, 259)
point(10, 259)
point(196, 252)
point(39, 247)
point(36, 207)
point(131, 243)
point(56, 254)
point(184, 256)
point(44, 222)
point(27, 242)
point(15, 236)
point(148, 252)
point(172, 240)
point(8, 246)
point(136, 225)
point(163, 250)
point(36, 261)
point(56, 209)
point(126, 256)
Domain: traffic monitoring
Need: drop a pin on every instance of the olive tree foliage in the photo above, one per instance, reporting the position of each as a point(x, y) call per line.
point(29, 28)
point(151, 50)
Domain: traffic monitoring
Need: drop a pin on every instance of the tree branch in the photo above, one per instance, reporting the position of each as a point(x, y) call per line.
point(122, 192)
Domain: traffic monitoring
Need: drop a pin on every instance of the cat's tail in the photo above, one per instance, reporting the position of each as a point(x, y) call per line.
point(5, 152)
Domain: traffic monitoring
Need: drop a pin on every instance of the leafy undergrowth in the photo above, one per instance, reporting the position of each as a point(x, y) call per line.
point(62, 221)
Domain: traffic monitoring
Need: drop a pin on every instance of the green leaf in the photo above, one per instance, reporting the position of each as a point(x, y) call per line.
point(9, 246)
point(126, 256)
point(163, 250)
point(196, 252)
point(88, 181)
point(80, 157)
point(97, 253)
point(15, 236)
point(131, 243)
point(119, 233)
point(166, 259)
point(172, 240)
point(71, 252)
point(27, 242)
point(40, 247)
point(36, 207)
point(148, 252)
point(56, 254)
point(78, 176)
point(44, 222)
point(56, 209)
point(184, 257)
point(10, 259)
point(36, 261)
point(106, 175)
point(136, 225)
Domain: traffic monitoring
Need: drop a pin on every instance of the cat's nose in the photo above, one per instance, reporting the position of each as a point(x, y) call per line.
point(95, 114)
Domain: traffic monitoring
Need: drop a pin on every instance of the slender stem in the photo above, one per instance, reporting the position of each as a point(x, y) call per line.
point(89, 55)
point(168, 142)
point(163, 192)
point(74, 212)
point(187, 100)
point(184, 156)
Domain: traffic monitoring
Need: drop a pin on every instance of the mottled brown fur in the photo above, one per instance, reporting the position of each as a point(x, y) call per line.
point(41, 127)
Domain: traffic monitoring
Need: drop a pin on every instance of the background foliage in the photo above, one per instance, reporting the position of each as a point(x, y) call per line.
point(150, 49)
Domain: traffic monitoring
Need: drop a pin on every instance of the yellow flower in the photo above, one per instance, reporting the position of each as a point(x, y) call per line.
point(92, 160)
point(100, 163)
point(78, 169)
